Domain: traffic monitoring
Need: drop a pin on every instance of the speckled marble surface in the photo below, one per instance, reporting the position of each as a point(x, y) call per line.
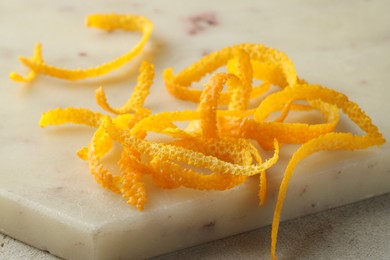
point(48, 199)
point(354, 232)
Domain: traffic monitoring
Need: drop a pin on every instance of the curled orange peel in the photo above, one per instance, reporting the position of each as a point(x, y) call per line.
point(193, 158)
point(241, 89)
point(215, 152)
point(276, 62)
point(137, 99)
point(99, 146)
point(327, 142)
point(37, 57)
point(106, 22)
point(209, 103)
point(61, 116)
point(132, 186)
point(173, 175)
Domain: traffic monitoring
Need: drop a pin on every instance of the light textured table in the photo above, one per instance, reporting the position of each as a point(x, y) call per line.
point(356, 231)
point(49, 200)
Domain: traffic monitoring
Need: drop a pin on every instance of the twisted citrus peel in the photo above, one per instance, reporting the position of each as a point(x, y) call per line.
point(215, 152)
point(106, 22)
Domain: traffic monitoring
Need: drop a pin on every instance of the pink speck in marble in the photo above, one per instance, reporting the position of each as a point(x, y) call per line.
point(201, 22)
point(83, 54)
point(363, 82)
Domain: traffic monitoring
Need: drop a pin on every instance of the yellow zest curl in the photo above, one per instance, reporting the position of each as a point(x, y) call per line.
point(61, 116)
point(37, 57)
point(275, 61)
point(328, 142)
point(137, 99)
point(107, 22)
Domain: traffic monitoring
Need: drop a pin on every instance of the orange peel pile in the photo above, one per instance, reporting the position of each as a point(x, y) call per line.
point(219, 148)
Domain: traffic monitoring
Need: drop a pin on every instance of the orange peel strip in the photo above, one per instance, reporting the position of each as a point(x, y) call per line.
point(239, 101)
point(264, 70)
point(107, 22)
point(170, 175)
point(138, 96)
point(132, 186)
point(289, 133)
point(60, 116)
point(100, 145)
point(179, 85)
point(312, 92)
point(209, 104)
point(189, 157)
point(123, 122)
point(330, 141)
point(162, 123)
point(240, 96)
point(37, 57)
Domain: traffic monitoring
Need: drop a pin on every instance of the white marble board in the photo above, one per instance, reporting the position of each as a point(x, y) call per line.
point(48, 198)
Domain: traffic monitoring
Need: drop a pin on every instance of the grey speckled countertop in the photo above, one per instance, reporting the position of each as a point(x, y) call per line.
point(356, 231)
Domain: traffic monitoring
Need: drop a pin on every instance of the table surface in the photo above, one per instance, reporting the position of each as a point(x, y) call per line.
point(356, 231)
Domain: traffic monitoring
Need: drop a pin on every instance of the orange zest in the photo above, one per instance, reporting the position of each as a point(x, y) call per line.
point(141, 91)
point(220, 148)
point(106, 22)
point(37, 57)
point(326, 142)
point(268, 64)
